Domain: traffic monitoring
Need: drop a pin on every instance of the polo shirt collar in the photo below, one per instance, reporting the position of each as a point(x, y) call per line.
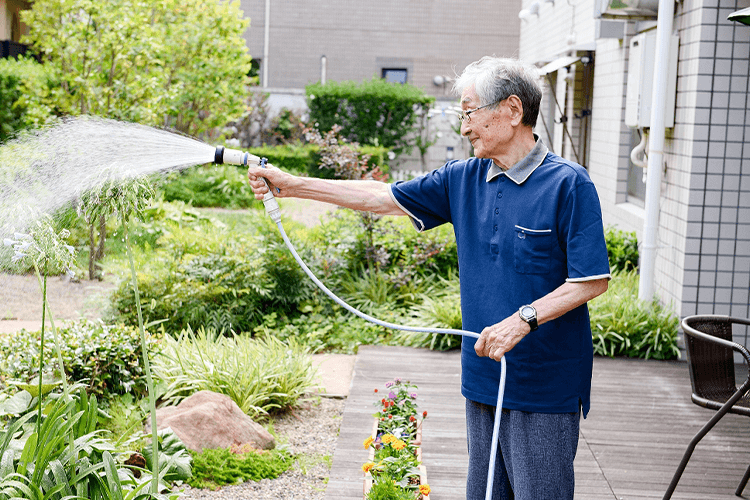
point(521, 171)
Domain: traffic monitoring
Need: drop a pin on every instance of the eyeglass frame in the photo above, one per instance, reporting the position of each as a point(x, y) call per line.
point(466, 115)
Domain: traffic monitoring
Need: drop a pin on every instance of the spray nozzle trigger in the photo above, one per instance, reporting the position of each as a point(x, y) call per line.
point(262, 164)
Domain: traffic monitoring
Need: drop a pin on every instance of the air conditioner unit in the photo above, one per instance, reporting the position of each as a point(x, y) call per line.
point(640, 84)
point(630, 9)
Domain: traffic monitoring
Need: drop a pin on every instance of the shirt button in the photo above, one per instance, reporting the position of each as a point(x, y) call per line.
point(499, 195)
point(497, 211)
point(495, 228)
point(520, 235)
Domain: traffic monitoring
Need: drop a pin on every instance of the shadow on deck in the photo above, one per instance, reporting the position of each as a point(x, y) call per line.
point(640, 423)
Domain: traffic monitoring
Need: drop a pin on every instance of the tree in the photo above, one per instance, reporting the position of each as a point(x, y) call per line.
point(171, 63)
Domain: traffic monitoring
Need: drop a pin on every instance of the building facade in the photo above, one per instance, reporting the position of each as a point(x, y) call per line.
point(703, 255)
point(11, 27)
point(422, 42)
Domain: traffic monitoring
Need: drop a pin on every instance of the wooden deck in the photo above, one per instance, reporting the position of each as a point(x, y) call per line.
point(640, 423)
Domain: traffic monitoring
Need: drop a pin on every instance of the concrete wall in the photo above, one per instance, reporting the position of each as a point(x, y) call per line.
point(359, 38)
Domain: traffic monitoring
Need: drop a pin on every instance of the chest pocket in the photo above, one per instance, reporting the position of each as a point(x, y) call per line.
point(531, 250)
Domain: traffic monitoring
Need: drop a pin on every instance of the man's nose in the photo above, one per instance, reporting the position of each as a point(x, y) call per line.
point(465, 127)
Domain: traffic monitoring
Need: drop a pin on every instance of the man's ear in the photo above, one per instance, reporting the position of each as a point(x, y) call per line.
point(516, 109)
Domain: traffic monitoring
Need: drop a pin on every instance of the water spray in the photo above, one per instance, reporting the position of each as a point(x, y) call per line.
point(236, 157)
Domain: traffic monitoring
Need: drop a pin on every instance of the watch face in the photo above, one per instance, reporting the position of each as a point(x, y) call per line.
point(527, 312)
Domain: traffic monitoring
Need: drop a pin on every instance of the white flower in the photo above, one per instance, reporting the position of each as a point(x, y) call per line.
point(22, 236)
point(8, 242)
point(17, 256)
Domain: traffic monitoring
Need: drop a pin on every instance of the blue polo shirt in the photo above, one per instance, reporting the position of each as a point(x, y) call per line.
point(520, 234)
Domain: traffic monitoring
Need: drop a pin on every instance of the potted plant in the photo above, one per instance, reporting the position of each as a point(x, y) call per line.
point(394, 469)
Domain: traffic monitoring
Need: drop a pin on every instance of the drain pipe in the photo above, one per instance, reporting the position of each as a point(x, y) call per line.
point(656, 150)
point(266, 40)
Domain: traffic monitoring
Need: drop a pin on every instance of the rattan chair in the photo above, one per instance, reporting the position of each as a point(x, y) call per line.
point(710, 352)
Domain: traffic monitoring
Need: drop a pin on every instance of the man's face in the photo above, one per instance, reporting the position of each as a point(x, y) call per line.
point(489, 130)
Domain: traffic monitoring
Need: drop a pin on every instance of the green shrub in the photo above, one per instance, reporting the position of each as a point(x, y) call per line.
point(373, 112)
point(622, 249)
point(210, 186)
point(213, 468)
point(201, 275)
point(18, 78)
point(105, 357)
point(623, 325)
point(304, 158)
point(260, 375)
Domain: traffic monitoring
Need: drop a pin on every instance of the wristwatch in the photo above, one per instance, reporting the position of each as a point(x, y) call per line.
point(528, 314)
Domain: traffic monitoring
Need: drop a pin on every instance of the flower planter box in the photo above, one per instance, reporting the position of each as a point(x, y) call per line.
point(416, 441)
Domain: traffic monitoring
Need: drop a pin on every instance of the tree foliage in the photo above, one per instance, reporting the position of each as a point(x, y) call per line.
point(373, 112)
point(176, 63)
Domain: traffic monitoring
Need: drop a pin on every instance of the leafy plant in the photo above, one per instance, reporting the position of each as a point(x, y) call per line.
point(623, 325)
point(440, 307)
point(213, 468)
point(622, 249)
point(260, 375)
point(104, 357)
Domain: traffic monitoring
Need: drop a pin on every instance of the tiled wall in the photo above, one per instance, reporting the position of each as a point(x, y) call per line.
point(717, 247)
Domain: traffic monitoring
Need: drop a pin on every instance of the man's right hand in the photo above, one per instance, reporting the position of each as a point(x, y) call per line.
point(280, 182)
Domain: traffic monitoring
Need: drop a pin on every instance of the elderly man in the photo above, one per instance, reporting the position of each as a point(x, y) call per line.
point(531, 253)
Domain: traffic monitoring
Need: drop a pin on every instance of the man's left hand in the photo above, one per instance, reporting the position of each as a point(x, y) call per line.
point(500, 338)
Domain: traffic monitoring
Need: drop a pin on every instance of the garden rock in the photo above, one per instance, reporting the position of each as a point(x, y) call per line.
point(211, 420)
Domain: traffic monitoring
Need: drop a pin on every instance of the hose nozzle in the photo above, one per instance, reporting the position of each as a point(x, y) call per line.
point(236, 157)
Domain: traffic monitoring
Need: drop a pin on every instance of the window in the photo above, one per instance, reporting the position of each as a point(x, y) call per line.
point(395, 75)
point(636, 186)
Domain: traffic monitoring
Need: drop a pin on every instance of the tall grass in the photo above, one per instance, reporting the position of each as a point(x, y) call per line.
point(260, 375)
point(623, 325)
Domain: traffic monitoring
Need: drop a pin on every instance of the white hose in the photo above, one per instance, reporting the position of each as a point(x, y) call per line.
point(501, 387)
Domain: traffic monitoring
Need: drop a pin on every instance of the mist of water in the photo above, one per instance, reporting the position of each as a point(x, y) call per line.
point(45, 169)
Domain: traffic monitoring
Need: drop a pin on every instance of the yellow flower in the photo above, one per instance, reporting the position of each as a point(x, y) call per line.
point(366, 467)
point(424, 489)
point(368, 442)
point(398, 445)
point(388, 439)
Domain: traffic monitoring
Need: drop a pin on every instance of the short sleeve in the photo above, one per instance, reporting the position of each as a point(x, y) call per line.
point(583, 233)
point(424, 199)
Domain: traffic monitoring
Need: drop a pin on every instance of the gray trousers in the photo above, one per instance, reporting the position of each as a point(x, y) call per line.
point(534, 458)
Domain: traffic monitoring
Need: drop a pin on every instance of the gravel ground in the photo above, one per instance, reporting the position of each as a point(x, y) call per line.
point(310, 431)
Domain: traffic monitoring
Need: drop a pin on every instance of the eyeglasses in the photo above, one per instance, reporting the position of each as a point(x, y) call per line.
point(465, 116)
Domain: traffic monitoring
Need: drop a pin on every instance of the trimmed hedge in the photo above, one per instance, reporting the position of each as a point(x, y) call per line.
point(304, 158)
point(373, 112)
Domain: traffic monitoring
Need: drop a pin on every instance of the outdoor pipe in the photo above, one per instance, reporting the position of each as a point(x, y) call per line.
point(235, 157)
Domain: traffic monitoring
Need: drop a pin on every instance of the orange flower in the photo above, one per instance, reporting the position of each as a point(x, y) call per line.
point(398, 445)
point(424, 489)
point(412, 419)
point(424, 414)
point(376, 390)
point(366, 467)
point(388, 438)
point(368, 442)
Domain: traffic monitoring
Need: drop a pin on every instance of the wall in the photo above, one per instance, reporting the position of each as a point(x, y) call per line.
point(428, 37)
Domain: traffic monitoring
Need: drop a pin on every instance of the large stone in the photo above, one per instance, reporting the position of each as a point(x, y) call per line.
point(211, 420)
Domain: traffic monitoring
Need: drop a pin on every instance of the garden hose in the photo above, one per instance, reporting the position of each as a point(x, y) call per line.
point(272, 209)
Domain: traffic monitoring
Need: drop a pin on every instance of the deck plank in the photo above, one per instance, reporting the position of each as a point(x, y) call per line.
point(640, 423)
